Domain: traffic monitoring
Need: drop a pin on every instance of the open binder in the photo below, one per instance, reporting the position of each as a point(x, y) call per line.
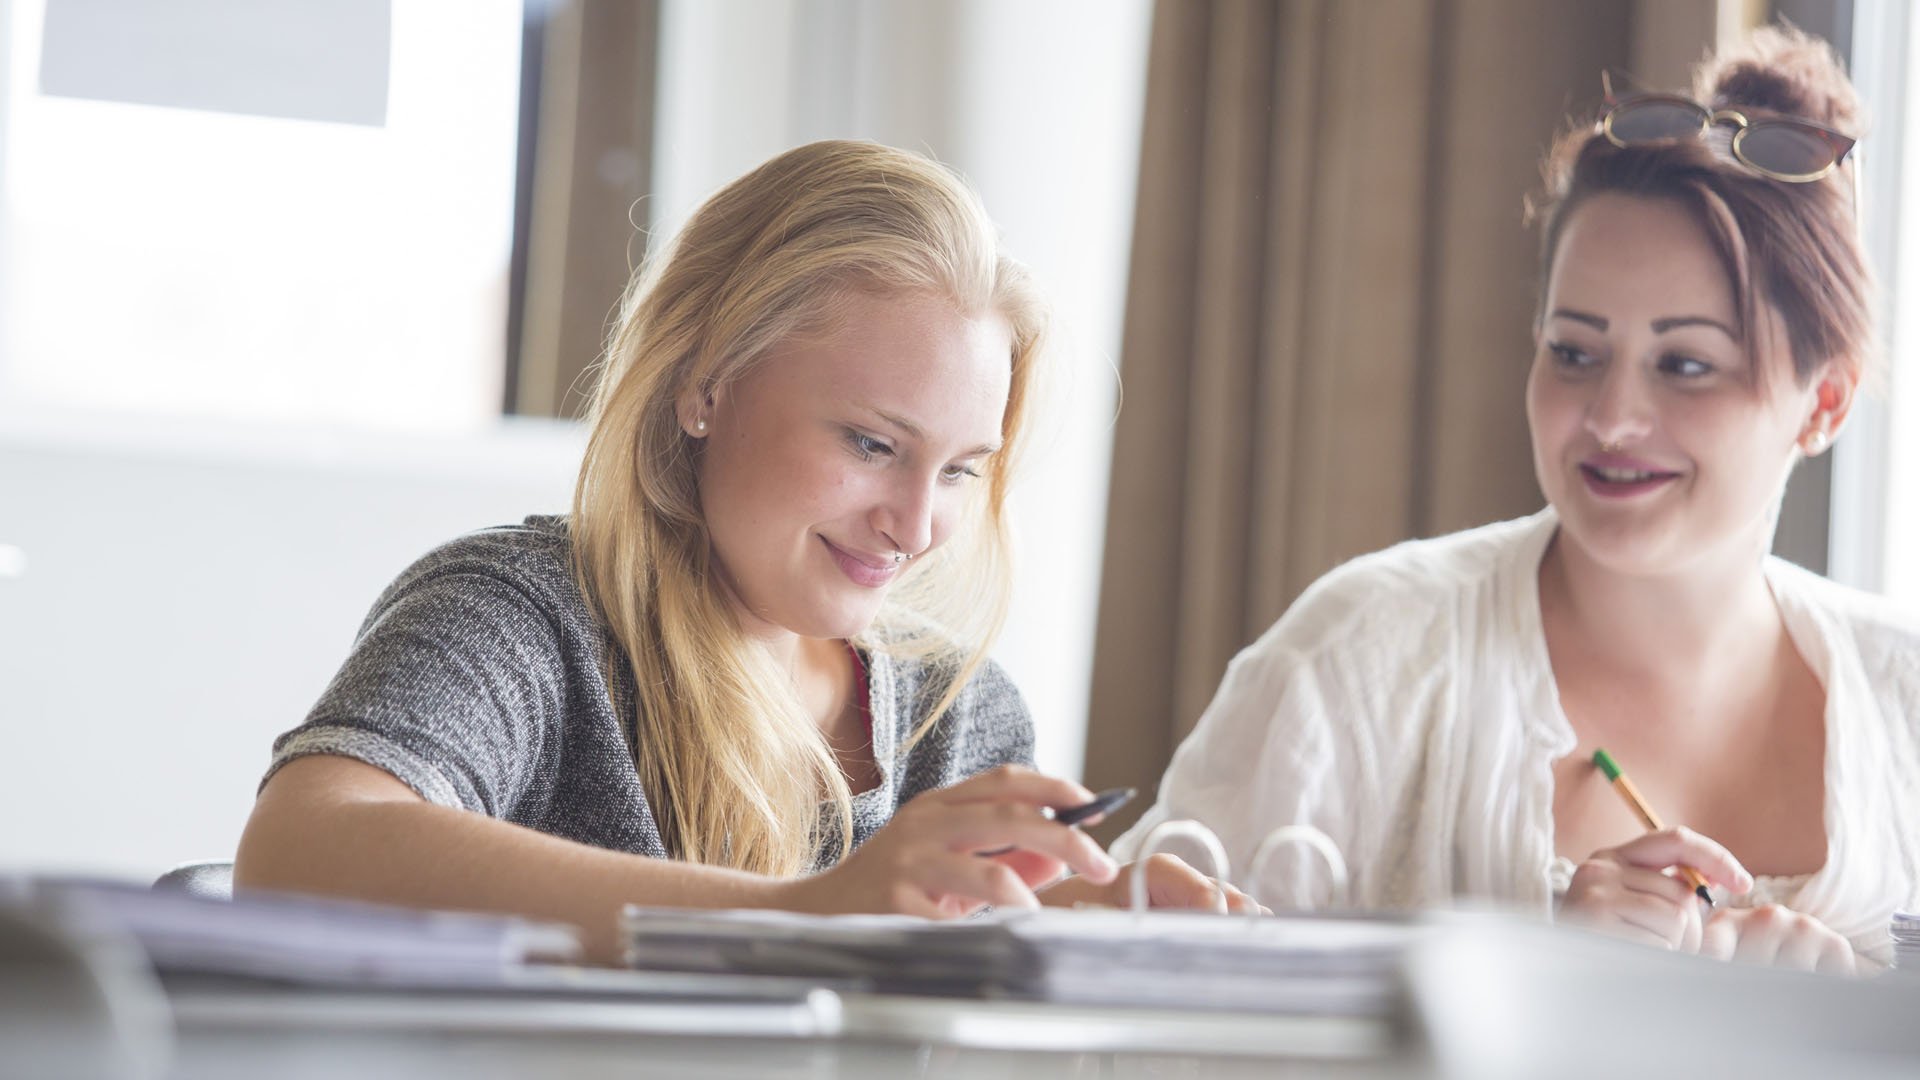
point(1312, 964)
point(1297, 965)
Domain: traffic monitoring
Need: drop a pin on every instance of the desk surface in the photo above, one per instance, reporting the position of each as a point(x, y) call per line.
point(297, 1033)
point(1495, 1001)
point(1490, 999)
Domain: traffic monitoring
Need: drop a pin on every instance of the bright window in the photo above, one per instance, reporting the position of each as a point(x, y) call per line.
point(1900, 576)
point(190, 263)
point(1876, 478)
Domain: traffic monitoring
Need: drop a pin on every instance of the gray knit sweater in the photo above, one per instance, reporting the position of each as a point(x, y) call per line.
point(478, 681)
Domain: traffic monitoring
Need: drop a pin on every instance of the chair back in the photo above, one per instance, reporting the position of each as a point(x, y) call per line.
point(209, 879)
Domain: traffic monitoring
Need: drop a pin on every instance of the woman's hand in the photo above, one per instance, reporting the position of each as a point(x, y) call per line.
point(1775, 936)
point(1171, 883)
point(1634, 891)
point(926, 862)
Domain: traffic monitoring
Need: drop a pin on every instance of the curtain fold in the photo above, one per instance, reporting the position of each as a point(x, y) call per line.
point(1329, 316)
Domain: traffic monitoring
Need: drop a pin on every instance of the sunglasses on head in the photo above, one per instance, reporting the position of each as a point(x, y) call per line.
point(1779, 147)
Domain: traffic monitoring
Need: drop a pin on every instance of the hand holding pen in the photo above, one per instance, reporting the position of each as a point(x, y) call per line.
point(1091, 812)
point(1605, 763)
point(926, 860)
point(1769, 935)
point(1652, 888)
point(1171, 882)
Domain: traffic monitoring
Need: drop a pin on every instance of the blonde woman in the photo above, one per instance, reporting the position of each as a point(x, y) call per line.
point(756, 649)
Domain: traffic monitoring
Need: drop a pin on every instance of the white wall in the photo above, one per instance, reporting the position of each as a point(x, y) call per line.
point(186, 594)
point(1039, 104)
point(173, 591)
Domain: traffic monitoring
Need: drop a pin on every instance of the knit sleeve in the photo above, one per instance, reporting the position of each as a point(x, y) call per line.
point(987, 726)
point(455, 685)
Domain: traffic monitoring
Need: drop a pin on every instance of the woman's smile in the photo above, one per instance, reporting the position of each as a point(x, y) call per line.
point(1619, 476)
point(864, 569)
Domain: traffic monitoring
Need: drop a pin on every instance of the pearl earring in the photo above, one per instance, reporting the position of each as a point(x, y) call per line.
point(1816, 442)
point(700, 426)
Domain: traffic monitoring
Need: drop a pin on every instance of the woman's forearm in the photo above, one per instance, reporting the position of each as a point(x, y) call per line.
point(403, 850)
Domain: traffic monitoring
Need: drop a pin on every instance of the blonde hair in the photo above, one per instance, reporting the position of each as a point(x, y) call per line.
point(735, 768)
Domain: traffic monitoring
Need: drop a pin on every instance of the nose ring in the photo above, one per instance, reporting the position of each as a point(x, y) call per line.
point(900, 557)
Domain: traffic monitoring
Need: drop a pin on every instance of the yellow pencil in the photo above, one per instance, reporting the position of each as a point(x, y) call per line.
point(1632, 794)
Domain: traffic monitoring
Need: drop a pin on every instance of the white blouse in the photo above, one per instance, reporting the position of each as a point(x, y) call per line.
point(1405, 706)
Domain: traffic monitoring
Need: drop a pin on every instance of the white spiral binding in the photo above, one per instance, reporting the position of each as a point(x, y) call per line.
point(1192, 830)
point(1217, 853)
point(1313, 838)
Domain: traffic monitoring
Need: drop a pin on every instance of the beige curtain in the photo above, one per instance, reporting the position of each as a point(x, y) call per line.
point(1329, 312)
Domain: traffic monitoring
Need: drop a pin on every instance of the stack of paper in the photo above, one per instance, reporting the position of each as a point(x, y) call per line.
point(308, 939)
point(1905, 928)
point(1304, 965)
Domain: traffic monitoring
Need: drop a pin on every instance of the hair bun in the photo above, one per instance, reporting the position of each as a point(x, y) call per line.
point(1785, 70)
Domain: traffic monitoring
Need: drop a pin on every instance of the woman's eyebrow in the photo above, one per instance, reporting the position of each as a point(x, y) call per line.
point(1660, 326)
point(1673, 322)
point(914, 431)
point(1596, 321)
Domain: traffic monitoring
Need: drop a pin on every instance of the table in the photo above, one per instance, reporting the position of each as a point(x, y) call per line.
point(226, 1031)
point(1484, 998)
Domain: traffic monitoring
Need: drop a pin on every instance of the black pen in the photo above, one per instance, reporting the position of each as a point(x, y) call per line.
point(1104, 803)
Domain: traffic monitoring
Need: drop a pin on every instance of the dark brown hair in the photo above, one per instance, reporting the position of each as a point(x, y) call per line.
point(1796, 246)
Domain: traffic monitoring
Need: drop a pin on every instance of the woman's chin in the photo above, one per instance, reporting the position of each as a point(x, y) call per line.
point(1629, 545)
point(841, 618)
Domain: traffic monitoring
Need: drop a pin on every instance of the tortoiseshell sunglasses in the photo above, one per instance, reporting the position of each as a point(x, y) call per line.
point(1779, 147)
